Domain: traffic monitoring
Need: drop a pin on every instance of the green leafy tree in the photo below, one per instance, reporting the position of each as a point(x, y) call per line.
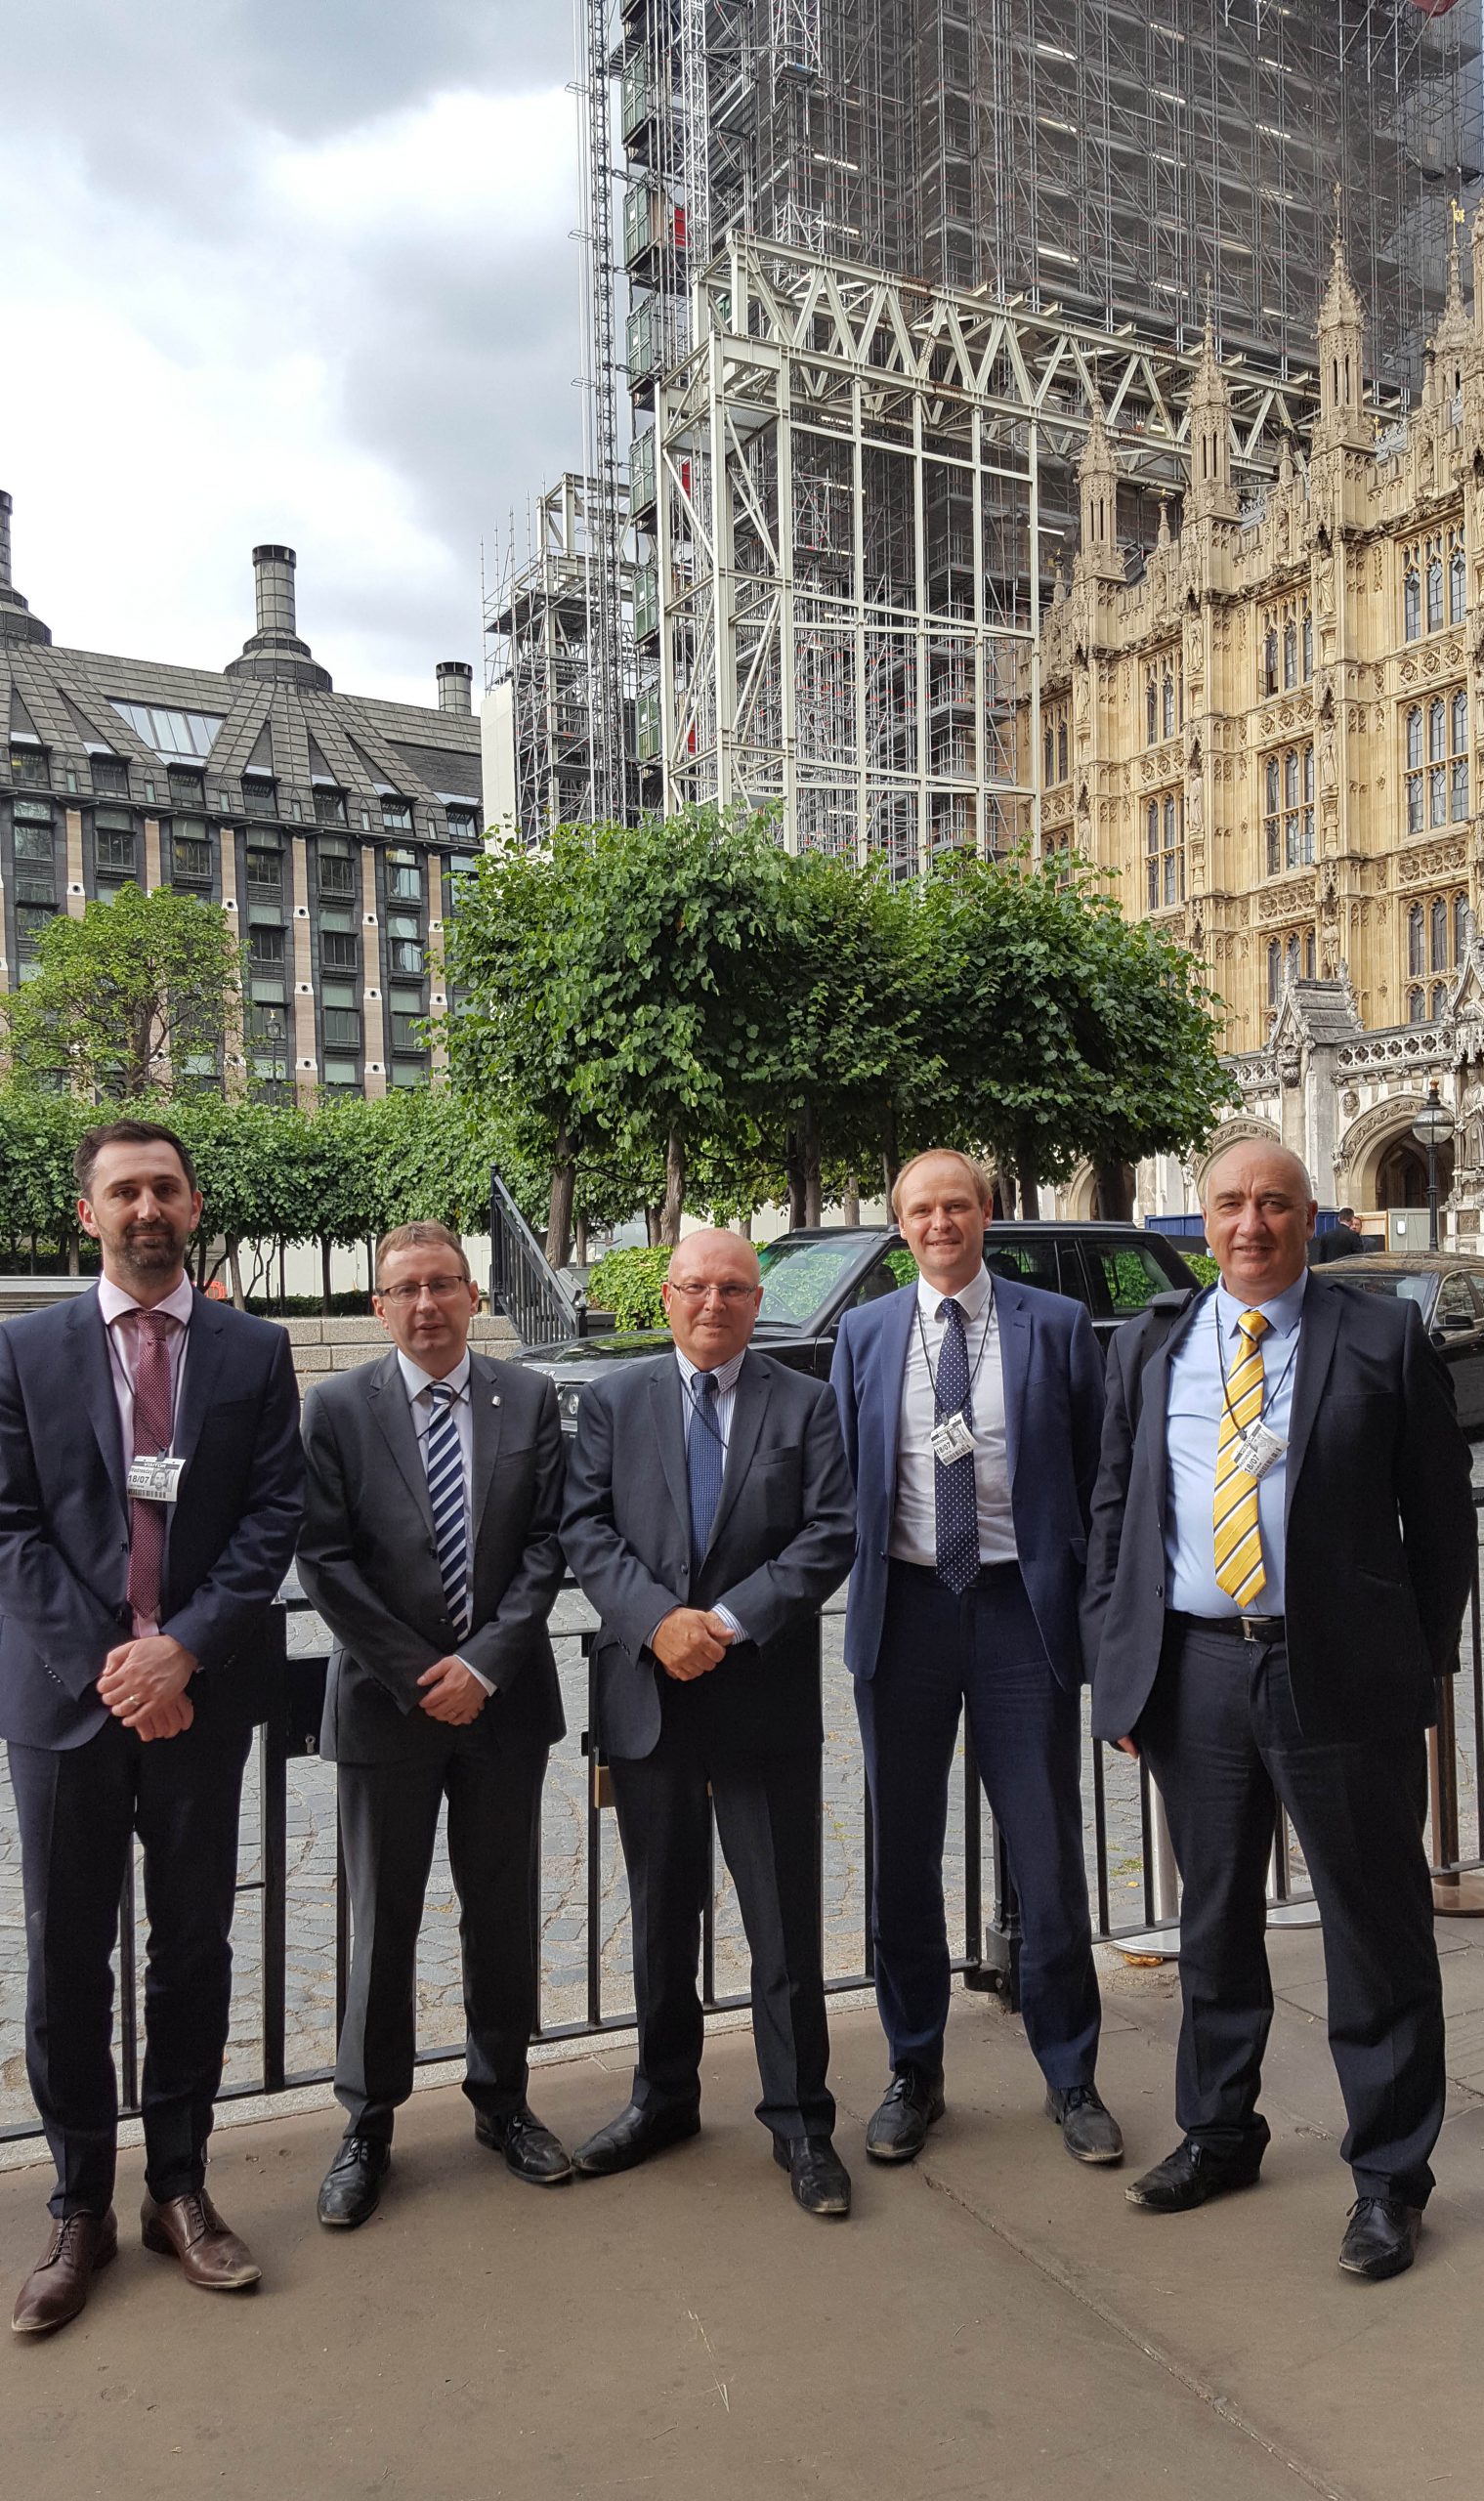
point(140, 997)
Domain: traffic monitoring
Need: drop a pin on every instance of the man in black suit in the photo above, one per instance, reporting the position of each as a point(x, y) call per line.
point(708, 1517)
point(1283, 1541)
point(149, 1495)
point(1344, 1240)
point(430, 1547)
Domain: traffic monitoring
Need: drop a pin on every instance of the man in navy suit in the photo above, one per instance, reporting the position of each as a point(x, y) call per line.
point(972, 1408)
point(150, 1499)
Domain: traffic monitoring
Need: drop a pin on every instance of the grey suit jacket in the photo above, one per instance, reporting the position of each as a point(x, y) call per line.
point(368, 1559)
point(782, 1540)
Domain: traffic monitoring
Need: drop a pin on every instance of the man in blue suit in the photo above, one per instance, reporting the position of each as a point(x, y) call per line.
point(150, 1482)
point(973, 1409)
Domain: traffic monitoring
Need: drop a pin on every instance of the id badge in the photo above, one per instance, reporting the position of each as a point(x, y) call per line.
point(155, 1480)
point(1258, 1449)
point(951, 1441)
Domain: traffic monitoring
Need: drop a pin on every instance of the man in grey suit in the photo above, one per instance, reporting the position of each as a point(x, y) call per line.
point(431, 1549)
point(708, 1517)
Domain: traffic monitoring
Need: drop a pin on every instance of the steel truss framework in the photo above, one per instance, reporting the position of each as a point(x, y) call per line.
point(848, 512)
point(539, 629)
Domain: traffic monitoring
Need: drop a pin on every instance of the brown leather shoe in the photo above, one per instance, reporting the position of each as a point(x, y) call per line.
point(57, 2285)
point(191, 2229)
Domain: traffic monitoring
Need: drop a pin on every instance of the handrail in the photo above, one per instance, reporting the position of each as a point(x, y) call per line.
point(522, 1283)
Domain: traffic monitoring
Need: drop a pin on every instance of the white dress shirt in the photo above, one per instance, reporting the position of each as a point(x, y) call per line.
point(915, 1514)
point(419, 1387)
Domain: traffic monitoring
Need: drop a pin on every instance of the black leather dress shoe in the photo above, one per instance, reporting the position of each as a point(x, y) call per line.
point(1381, 2239)
point(531, 2151)
point(351, 2189)
point(633, 2137)
point(1089, 2130)
point(817, 2177)
point(1189, 2176)
point(898, 2128)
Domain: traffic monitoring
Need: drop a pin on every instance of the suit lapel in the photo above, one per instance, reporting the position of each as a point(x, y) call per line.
point(486, 1415)
point(1015, 1331)
point(749, 1405)
point(392, 1409)
point(202, 1363)
point(665, 1393)
point(95, 1381)
point(1154, 1397)
point(1318, 1329)
point(898, 1320)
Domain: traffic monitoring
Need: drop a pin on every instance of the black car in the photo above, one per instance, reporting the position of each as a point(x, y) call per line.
point(1448, 1288)
point(810, 1278)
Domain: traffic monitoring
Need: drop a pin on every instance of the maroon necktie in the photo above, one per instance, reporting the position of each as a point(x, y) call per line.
point(152, 1438)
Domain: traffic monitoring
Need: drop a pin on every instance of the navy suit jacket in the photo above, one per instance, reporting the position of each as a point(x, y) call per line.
point(1379, 1530)
point(64, 1514)
point(1053, 1402)
point(780, 1542)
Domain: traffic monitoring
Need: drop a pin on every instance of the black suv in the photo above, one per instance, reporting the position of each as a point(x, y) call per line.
point(810, 1278)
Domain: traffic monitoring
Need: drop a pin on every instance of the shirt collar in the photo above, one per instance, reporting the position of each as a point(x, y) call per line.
point(972, 1299)
point(1281, 1312)
point(725, 1374)
point(416, 1381)
point(115, 1304)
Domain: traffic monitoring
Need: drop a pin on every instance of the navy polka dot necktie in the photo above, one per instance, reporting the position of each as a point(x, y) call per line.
point(705, 1462)
point(957, 1504)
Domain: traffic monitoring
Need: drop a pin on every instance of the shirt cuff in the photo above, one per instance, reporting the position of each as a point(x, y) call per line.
point(730, 1621)
point(474, 1671)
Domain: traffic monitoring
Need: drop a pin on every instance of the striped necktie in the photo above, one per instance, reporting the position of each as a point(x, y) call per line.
point(444, 1462)
point(1240, 1568)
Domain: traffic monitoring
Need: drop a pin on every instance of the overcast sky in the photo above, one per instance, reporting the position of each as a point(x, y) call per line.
point(294, 270)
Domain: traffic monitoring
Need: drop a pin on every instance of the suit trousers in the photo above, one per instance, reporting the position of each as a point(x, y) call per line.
point(388, 1827)
point(79, 1810)
point(768, 1823)
point(1224, 1743)
point(938, 1654)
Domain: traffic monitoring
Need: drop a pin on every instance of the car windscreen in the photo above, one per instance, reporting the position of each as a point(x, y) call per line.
point(1411, 1289)
point(800, 1278)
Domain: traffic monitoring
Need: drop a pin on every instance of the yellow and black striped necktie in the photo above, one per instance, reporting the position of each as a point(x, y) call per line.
point(1240, 1568)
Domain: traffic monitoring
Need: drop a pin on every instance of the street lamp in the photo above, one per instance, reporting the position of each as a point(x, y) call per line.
point(1433, 1128)
point(275, 1031)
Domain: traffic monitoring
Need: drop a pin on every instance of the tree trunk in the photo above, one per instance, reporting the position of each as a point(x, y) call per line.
point(793, 1166)
point(674, 1188)
point(234, 1264)
point(580, 1239)
point(564, 1182)
point(651, 1233)
point(324, 1273)
point(371, 1265)
point(1113, 1192)
point(814, 1191)
point(745, 1227)
point(891, 1158)
point(74, 1265)
point(1028, 1188)
point(850, 1200)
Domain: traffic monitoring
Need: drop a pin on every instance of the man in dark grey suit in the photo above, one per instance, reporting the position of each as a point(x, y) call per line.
point(708, 1516)
point(430, 1548)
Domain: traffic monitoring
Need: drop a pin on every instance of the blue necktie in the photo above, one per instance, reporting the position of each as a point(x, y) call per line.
point(445, 1463)
point(956, 1505)
point(704, 1460)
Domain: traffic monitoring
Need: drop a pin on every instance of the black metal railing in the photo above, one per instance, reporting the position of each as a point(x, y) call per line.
point(522, 1283)
point(989, 1953)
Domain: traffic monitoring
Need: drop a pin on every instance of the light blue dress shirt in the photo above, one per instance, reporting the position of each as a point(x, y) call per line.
point(1193, 1424)
point(726, 1402)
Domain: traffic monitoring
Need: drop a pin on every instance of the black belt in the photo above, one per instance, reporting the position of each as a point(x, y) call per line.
point(989, 1573)
point(1236, 1628)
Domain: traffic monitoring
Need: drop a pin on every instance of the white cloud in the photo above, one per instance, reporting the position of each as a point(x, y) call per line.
point(357, 339)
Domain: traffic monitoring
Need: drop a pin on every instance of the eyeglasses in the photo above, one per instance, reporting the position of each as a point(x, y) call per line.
point(439, 1288)
point(695, 1291)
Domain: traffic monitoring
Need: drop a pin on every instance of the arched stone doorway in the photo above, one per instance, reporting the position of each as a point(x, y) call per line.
point(1401, 1175)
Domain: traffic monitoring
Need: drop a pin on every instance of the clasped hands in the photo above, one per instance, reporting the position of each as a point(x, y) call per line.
point(690, 1641)
point(451, 1693)
point(143, 1684)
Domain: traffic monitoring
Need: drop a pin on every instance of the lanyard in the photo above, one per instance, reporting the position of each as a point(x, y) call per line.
point(984, 1339)
point(703, 1418)
point(1270, 1388)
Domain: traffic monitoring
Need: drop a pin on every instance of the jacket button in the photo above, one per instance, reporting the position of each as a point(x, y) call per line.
point(1159, 1589)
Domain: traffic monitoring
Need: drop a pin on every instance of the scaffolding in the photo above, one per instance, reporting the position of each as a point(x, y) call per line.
point(543, 663)
point(850, 522)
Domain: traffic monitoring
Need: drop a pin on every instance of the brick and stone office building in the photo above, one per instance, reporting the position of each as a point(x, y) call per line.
point(333, 829)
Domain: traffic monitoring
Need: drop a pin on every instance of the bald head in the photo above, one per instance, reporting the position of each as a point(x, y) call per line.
point(1259, 1211)
point(711, 1295)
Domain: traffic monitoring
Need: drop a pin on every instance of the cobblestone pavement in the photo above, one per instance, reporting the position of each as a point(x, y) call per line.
point(311, 1861)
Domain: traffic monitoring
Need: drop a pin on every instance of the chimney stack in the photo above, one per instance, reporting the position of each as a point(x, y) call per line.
point(276, 650)
point(456, 682)
point(17, 623)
